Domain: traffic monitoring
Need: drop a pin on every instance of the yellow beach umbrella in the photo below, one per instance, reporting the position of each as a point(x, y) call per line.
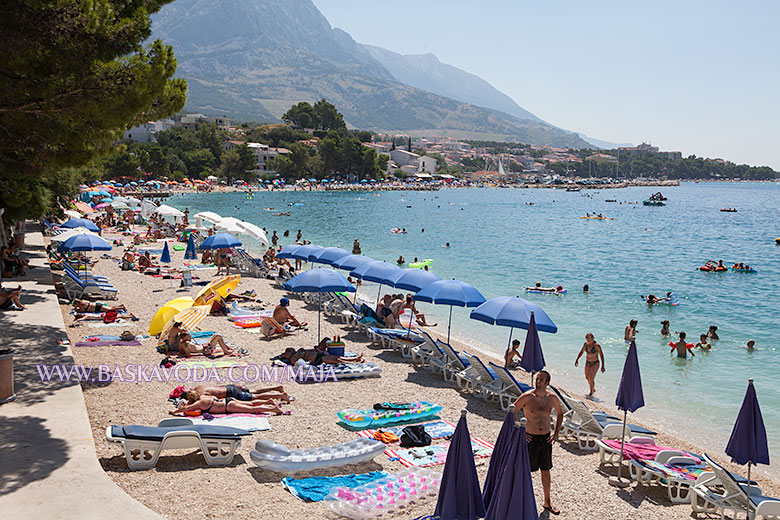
point(168, 311)
point(188, 318)
point(218, 288)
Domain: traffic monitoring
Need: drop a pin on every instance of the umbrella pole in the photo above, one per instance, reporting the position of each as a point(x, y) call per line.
point(748, 483)
point(378, 292)
point(449, 325)
point(619, 482)
point(319, 314)
point(509, 344)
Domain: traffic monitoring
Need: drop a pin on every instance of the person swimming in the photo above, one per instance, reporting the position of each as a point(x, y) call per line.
point(665, 328)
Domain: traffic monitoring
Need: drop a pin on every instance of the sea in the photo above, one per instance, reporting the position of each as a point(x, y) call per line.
point(502, 240)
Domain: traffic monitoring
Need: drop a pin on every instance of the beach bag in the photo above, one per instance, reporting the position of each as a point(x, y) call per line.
point(415, 436)
point(110, 316)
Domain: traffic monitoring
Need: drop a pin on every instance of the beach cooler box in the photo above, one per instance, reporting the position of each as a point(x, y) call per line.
point(336, 349)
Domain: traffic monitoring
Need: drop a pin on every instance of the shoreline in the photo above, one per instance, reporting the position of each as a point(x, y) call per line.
point(312, 420)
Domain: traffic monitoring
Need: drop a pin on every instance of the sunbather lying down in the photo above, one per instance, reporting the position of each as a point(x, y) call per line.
point(211, 404)
point(85, 306)
point(245, 394)
point(101, 317)
point(292, 356)
point(179, 340)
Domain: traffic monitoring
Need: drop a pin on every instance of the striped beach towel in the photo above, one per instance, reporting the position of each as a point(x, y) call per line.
point(437, 453)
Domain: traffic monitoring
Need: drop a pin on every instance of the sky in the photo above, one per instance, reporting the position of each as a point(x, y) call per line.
point(699, 77)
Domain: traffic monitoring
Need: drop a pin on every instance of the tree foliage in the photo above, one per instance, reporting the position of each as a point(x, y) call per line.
point(73, 76)
point(321, 116)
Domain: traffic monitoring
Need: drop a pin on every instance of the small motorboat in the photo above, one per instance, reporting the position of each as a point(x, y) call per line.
point(728, 210)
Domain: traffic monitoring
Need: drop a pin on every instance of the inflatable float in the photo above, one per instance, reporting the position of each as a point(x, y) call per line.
point(713, 269)
point(423, 263)
point(777, 241)
point(385, 495)
point(397, 231)
point(537, 291)
point(689, 346)
point(672, 300)
point(751, 270)
point(653, 203)
point(281, 459)
point(376, 418)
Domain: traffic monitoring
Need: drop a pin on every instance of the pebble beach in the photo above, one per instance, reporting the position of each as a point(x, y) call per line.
point(183, 486)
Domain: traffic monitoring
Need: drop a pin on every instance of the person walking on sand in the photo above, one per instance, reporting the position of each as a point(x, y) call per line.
point(537, 405)
point(593, 352)
point(630, 334)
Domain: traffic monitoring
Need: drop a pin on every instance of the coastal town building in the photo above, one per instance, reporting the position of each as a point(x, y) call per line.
point(145, 133)
point(264, 154)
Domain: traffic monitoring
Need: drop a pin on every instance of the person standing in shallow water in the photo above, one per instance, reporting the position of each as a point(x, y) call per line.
point(593, 352)
point(665, 328)
point(356, 247)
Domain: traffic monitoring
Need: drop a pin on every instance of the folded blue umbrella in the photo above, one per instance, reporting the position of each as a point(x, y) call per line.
point(190, 253)
point(499, 457)
point(748, 443)
point(459, 494)
point(166, 254)
point(533, 358)
point(514, 493)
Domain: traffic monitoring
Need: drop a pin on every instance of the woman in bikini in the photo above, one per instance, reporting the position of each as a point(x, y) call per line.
point(592, 352)
point(213, 405)
point(292, 356)
point(85, 306)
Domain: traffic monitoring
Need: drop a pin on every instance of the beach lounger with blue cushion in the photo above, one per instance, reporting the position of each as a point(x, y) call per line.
point(453, 363)
point(86, 275)
point(144, 444)
point(721, 492)
point(511, 389)
point(76, 288)
point(588, 427)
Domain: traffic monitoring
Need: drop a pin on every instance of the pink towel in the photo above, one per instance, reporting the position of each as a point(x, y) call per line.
point(632, 451)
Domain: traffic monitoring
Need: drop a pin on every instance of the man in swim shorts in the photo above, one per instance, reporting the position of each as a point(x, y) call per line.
point(537, 405)
point(244, 394)
point(512, 353)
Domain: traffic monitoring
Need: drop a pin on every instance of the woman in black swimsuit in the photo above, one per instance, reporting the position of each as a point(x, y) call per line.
point(593, 352)
point(213, 405)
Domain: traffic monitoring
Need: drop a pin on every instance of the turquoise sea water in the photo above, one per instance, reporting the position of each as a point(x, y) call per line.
point(500, 244)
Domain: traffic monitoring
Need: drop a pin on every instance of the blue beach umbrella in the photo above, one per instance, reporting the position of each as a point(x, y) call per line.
point(533, 358)
point(514, 492)
point(413, 279)
point(220, 241)
point(80, 222)
point(287, 251)
point(748, 444)
point(328, 255)
point(513, 312)
point(630, 398)
point(318, 280)
point(450, 292)
point(303, 252)
point(190, 253)
point(351, 262)
point(86, 242)
point(459, 494)
point(499, 457)
point(377, 271)
point(165, 257)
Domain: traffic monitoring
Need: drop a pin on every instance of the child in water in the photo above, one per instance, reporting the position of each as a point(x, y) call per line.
point(703, 344)
point(665, 329)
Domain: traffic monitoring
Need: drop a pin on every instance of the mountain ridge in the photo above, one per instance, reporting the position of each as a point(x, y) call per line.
point(251, 60)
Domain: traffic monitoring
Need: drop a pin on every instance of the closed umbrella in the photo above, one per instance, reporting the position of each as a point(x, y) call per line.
point(459, 494)
point(513, 312)
point(220, 241)
point(190, 253)
point(630, 398)
point(328, 255)
point(514, 493)
point(318, 280)
point(499, 457)
point(748, 443)
point(80, 222)
point(533, 358)
point(165, 257)
point(451, 292)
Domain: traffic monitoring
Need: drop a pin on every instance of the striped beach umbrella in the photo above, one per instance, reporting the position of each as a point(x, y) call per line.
point(189, 319)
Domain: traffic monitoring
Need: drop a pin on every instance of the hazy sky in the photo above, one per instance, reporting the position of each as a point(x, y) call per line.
point(699, 77)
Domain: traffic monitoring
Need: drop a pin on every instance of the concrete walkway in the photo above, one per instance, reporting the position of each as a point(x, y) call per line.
point(48, 466)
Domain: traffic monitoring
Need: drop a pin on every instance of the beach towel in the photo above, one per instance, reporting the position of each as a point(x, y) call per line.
point(120, 322)
point(315, 489)
point(641, 451)
point(109, 343)
point(436, 429)
point(680, 472)
point(139, 337)
point(248, 422)
point(437, 453)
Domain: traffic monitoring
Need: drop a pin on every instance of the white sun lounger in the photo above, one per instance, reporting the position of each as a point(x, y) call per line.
point(144, 444)
point(721, 492)
point(479, 380)
point(677, 486)
point(453, 362)
point(588, 427)
point(511, 388)
point(611, 455)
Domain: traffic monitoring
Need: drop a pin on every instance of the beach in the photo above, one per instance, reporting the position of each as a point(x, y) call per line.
point(182, 486)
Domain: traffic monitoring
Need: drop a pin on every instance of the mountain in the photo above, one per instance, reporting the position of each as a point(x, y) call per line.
point(252, 59)
point(426, 72)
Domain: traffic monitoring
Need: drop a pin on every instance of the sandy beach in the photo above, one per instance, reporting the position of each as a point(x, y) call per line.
point(183, 486)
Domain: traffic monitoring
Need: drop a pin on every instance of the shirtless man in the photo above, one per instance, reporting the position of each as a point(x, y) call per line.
point(537, 405)
point(282, 315)
point(245, 394)
point(512, 353)
point(630, 334)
